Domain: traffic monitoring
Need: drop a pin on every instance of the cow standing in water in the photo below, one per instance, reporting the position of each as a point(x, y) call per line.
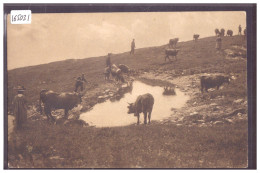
point(52, 101)
point(207, 82)
point(144, 103)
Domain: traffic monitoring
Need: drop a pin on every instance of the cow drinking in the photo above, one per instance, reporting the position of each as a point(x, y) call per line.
point(52, 100)
point(212, 82)
point(144, 103)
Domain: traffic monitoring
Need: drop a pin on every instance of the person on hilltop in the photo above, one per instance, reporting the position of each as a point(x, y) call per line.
point(20, 108)
point(132, 47)
point(218, 43)
point(239, 30)
point(79, 82)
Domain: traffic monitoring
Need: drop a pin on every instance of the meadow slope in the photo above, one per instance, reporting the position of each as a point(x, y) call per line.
point(209, 132)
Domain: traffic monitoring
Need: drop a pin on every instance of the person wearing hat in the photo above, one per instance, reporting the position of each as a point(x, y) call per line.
point(79, 82)
point(20, 108)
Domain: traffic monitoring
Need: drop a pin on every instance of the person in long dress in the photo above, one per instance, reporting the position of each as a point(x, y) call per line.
point(20, 108)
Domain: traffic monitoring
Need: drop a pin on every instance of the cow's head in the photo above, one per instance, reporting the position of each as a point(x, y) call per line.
point(131, 108)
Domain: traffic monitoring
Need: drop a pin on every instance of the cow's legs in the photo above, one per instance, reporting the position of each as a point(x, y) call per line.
point(76, 87)
point(149, 117)
point(48, 113)
point(167, 56)
point(201, 89)
point(66, 113)
point(81, 86)
point(145, 117)
point(138, 121)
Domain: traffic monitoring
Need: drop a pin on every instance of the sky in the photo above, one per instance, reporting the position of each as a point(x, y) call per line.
point(60, 36)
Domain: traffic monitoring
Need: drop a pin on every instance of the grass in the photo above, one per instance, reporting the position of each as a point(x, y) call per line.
point(222, 146)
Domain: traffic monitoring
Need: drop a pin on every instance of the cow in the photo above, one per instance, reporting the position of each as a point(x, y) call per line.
point(171, 52)
point(169, 90)
point(229, 32)
point(117, 73)
point(52, 100)
point(222, 32)
point(207, 82)
point(124, 68)
point(196, 37)
point(144, 103)
point(173, 42)
point(217, 32)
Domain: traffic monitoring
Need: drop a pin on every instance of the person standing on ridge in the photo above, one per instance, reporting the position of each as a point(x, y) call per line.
point(132, 47)
point(218, 43)
point(239, 30)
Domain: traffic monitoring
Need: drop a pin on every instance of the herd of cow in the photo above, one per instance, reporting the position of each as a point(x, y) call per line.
point(143, 104)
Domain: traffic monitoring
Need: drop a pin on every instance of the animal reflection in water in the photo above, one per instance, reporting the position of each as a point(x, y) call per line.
point(169, 91)
point(144, 103)
point(52, 100)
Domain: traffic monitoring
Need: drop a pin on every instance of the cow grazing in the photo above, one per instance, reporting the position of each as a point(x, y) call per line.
point(222, 32)
point(229, 32)
point(196, 37)
point(117, 73)
point(207, 82)
point(144, 103)
point(52, 101)
point(124, 68)
point(217, 32)
point(173, 42)
point(171, 52)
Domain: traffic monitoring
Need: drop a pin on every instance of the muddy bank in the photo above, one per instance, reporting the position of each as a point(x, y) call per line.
point(201, 109)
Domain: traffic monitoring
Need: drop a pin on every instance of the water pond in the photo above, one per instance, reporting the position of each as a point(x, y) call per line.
point(111, 114)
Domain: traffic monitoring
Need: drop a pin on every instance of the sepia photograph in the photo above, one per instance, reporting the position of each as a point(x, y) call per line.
point(129, 86)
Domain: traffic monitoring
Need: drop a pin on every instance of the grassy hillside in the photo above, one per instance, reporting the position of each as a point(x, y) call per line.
point(60, 76)
point(209, 132)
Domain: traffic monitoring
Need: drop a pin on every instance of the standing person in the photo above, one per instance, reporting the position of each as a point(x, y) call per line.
point(218, 43)
point(239, 30)
point(108, 60)
point(79, 82)
point(20, 108)
point(132, 47)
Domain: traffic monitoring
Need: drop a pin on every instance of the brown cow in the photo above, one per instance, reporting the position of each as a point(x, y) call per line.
point(52, 101)
point(207, 82)
point(144, 103)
